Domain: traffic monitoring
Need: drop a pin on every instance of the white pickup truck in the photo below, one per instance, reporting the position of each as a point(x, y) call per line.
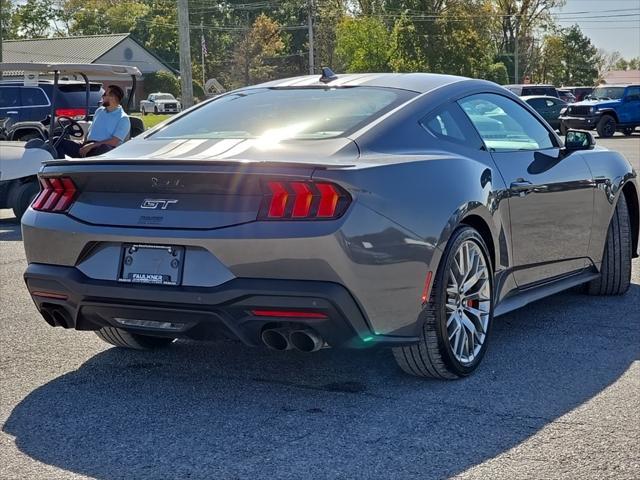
point(160, 103)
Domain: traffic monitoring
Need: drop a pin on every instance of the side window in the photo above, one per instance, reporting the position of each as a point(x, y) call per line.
point(448, 123)
point(504, 125)
point(33, 97)
point(536, 102)
point(9, 97)
point(633, 93)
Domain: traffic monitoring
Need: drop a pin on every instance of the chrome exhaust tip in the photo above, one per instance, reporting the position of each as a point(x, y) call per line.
point(276, 339)
point(306, 340)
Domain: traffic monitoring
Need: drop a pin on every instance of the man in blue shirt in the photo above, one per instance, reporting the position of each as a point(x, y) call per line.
point(110, 127)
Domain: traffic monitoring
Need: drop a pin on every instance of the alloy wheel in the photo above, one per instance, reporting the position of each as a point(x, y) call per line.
point(468, 304)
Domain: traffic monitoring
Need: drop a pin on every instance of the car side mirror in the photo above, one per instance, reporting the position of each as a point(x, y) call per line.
point(578, 140)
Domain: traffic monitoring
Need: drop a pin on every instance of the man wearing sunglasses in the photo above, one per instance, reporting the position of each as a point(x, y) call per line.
point(110, 127)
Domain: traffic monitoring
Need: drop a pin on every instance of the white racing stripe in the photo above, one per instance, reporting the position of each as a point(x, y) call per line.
point(217, 148)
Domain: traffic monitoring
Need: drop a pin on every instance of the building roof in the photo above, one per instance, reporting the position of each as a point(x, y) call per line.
point(623, 77)
point(78, 49)
point(81, 49)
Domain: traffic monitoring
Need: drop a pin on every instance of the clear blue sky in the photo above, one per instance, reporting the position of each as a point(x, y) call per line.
point(607, 28)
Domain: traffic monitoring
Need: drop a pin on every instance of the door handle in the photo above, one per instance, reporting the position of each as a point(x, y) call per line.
point(521, 187)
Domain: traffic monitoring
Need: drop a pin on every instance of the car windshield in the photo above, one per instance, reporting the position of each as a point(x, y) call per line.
point(286, 113)
point(607, 93)
point(165, 96)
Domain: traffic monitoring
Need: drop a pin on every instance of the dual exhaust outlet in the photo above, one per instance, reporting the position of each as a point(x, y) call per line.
point(281, 339)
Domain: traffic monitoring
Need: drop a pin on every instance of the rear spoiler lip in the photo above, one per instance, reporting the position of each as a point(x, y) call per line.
point(179, 164)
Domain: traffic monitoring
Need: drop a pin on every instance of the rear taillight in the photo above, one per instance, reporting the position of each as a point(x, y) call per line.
point(57, 194)
point(73, 113)
point(292, 200)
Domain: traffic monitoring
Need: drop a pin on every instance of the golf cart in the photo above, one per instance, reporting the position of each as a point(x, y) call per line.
point(21, 161)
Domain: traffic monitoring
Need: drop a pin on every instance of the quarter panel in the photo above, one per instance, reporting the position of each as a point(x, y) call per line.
point(610, 172)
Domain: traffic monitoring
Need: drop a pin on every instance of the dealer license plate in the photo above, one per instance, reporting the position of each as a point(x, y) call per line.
point(151, 264)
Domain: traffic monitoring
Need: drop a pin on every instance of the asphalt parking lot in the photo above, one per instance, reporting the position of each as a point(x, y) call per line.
point(558, 396)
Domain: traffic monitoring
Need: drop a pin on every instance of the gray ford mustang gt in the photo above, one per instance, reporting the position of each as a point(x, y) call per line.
point(398, 210)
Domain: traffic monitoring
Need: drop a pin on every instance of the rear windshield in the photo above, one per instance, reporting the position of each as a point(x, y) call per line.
point(74, 95)
point(549, 91)
point(286, 113)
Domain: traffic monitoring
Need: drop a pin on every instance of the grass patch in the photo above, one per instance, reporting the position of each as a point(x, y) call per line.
point(151, 120)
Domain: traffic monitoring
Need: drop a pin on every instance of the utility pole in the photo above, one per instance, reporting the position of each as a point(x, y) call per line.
point(186, 77)
point(515, 52)
point(310, 25)
point(202, 49)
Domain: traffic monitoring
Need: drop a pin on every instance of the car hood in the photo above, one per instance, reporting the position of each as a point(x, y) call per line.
point(335, 151)
point(598, 103)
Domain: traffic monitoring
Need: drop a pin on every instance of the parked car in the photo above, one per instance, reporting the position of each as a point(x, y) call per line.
point(21, 103)
point(527, 90)
point(399, 210)
point(579, 92)
point(566, 95)
point(160, 103)
point(609, 108)
point(549, 108)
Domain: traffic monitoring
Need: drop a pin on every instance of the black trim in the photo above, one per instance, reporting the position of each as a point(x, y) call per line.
point(202, 311)
point(531, 293)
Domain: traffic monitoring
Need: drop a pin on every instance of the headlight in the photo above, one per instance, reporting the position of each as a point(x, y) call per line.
point(592, 109)
point(563, 110)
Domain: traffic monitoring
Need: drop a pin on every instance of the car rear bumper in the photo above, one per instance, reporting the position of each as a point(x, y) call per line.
point(66, 297)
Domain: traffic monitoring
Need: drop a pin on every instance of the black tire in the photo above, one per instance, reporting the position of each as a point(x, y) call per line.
point(606, 126)
point(615, 272)
point(432, 356)
point(155, 110)
point(23, 197)
point(124, 339)
point(143, 112)
point(628, 131)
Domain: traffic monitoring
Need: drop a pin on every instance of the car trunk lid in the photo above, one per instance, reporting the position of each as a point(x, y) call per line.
point(161, 190)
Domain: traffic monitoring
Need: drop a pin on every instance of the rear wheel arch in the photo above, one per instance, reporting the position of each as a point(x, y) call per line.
point(631, 196)
point(480, 225)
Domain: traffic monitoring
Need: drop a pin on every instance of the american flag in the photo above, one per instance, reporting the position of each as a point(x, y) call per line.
point(203, 44)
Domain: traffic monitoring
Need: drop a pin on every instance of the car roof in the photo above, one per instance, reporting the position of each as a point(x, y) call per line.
point(530, 97)
point(416, 82)
point(42, 81)
point(621, 85)
point(523, 85)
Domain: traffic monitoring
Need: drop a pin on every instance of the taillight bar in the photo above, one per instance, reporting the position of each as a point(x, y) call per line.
point(303, 200)
point(57, 194)
point(73, 113)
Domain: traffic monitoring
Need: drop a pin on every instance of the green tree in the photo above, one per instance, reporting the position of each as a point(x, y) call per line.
point(252, 55)
point(362, 44)
point(162, 82)
point(552, 67)
point(518, 20)
point(35, 18)
point(95, 17)
point(406, 50)
point(579, 58)
point(497, 72)
point(7, 23)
